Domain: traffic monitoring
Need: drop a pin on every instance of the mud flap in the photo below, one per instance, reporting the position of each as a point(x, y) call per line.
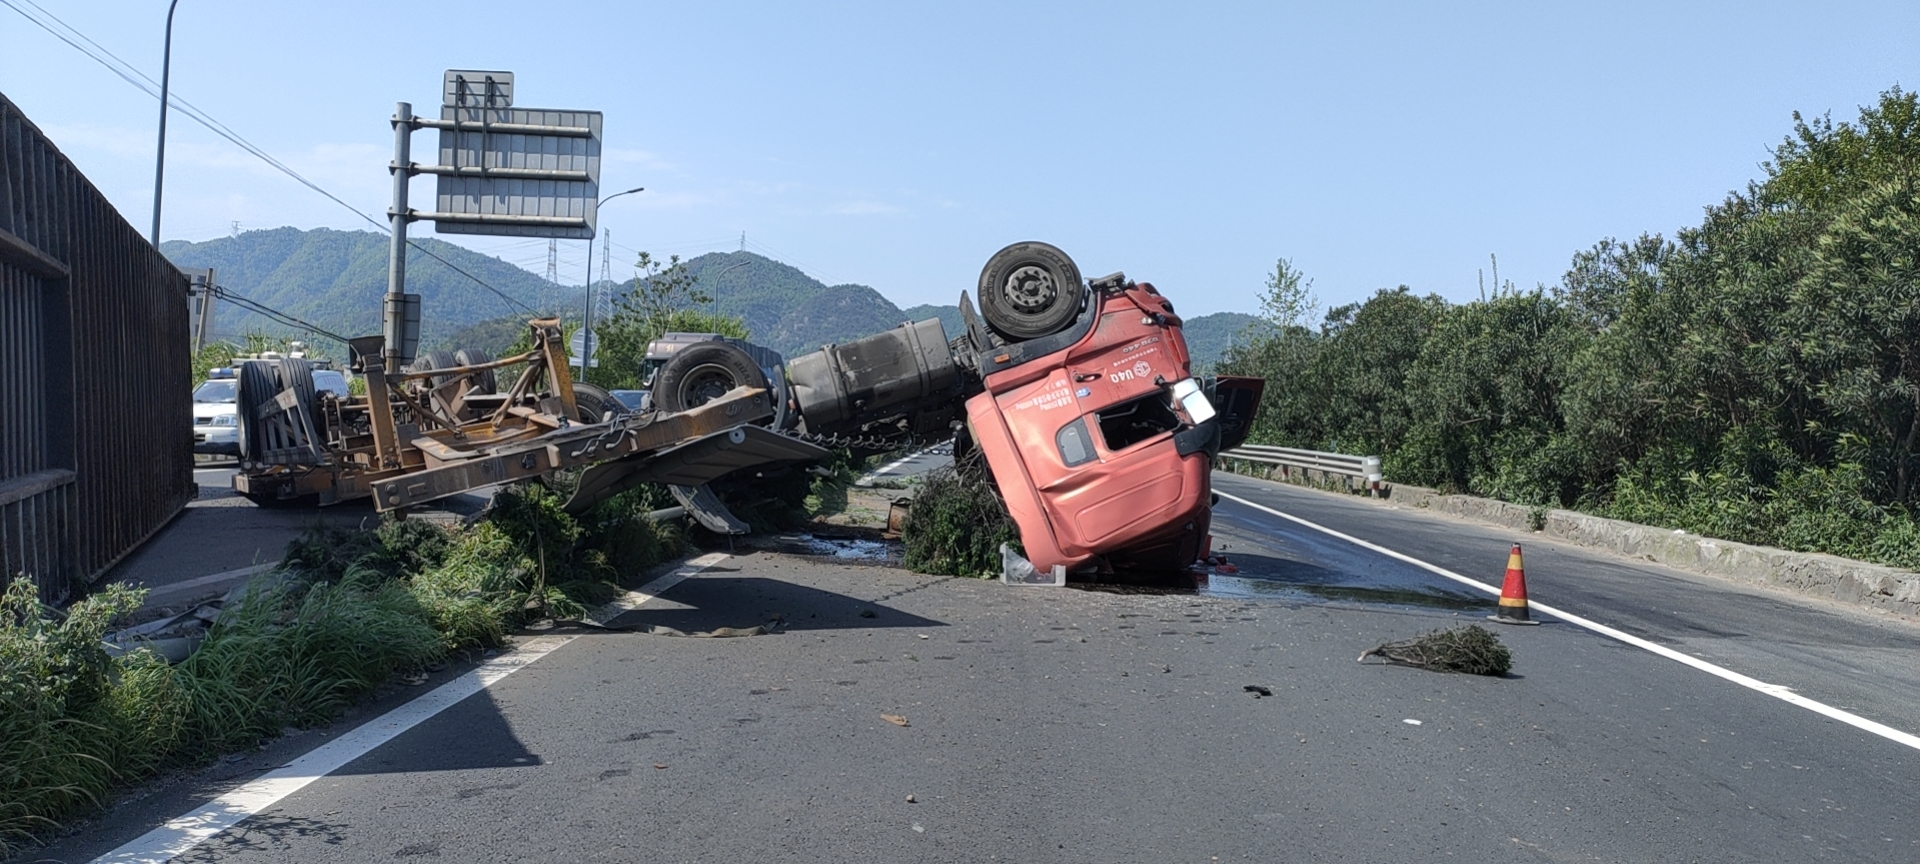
point(707, 509)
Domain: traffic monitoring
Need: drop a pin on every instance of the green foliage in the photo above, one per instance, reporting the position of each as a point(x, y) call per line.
point(957, 523)
point(210, 356)
point(1289, 300)
point(348, 610)
point(623, 342)
point(57, 707)
point(827, 494)
point(1756, 378)
point(295, 653)
point(1481, 401)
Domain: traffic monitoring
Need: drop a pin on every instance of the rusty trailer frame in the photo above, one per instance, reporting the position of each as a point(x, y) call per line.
point(435, 433)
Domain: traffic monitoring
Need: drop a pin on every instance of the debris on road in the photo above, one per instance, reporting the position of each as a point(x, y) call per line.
point(895, 719)
point(1257, 690)
point(1472, 649)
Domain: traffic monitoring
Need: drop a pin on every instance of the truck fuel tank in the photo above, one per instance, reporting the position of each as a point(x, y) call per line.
point(901, 371)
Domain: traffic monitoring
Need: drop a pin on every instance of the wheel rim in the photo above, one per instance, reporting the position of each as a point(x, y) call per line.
point(704, 384)
point(1030, 288)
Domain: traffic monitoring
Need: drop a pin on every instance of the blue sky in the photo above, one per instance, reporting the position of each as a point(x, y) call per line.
point(899, 144)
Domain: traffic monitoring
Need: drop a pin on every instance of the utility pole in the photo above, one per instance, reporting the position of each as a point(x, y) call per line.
point(394, 319)
point(160, 151)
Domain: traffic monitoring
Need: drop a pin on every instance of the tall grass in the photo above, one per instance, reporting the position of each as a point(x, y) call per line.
point(346, 611)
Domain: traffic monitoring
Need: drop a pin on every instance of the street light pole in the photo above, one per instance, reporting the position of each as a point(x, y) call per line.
point(716, 284)
point(160, 155)
point(586, 322)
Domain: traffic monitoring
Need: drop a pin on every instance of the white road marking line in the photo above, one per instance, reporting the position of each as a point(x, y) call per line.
point(179, 835)
point(1777, 691)
point(632, 600)
point(882, 470)
point(211, 578)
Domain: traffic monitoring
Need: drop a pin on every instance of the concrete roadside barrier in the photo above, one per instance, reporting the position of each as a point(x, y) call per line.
point(1828, 577)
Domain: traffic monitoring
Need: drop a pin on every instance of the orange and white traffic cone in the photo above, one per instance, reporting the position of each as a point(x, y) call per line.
point(1513, 593)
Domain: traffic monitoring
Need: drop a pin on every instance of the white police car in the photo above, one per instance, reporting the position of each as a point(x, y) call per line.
point(216, 427)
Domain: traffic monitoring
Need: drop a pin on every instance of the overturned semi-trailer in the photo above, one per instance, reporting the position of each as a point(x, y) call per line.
point(1079, 395)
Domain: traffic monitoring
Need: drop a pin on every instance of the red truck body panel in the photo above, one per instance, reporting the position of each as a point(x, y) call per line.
point(1115, 493)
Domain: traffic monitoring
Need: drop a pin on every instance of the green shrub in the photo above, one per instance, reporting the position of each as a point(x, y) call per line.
point(957, 523)
point(57, 707)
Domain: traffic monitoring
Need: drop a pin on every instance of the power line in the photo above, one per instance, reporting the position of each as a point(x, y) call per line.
point(271, 313)
point(146, 85)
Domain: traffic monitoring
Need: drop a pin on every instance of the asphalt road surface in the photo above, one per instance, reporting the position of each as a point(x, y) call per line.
point(221, 532)
point(1069, 725)
point(918, 462)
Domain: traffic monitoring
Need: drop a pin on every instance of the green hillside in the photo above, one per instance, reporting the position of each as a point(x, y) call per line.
point(787, 310)
point(336, 279)
point(1209, 335)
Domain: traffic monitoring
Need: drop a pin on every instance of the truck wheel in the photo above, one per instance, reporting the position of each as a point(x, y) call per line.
point(702, 372)
point(432, 360)
point(591, 403)
point(1029, 290)
point(483, 382)
point(257, 385)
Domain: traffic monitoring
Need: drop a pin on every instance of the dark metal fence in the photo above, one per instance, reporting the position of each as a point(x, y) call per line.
point(95, 423)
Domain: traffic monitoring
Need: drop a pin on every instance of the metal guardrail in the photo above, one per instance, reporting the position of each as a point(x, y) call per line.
point(95, 423)
point(1365, 469)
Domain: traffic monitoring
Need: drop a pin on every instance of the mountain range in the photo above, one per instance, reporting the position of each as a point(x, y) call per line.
point(334, 280)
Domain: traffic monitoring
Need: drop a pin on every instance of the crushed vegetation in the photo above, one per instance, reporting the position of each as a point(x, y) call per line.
point(345, 612)
point(1471, 650)
point(957, 523)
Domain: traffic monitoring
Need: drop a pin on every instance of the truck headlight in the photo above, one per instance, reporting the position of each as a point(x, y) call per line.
point(1188, 394)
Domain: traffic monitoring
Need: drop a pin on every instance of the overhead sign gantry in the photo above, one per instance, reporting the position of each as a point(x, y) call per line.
point(502, 170)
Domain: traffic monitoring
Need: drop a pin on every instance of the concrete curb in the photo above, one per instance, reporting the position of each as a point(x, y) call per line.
point(1828, 577)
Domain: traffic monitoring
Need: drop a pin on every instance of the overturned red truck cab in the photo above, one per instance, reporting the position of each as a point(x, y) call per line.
point(1079, 395)
point(1099, 437)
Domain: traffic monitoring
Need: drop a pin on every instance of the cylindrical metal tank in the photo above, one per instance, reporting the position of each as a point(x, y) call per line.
point(842, 387)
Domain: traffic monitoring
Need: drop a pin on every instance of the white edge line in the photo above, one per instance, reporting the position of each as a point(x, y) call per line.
point(181, 834)
point(210, 578)
point(1777, 691)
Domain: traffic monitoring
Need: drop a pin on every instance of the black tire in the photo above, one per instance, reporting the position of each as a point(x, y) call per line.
point(432, 360)
point(700, 373)
point(483, 382)
point(293, 438)
point(1029, 290)
point(258, 384)
point(592, 403)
